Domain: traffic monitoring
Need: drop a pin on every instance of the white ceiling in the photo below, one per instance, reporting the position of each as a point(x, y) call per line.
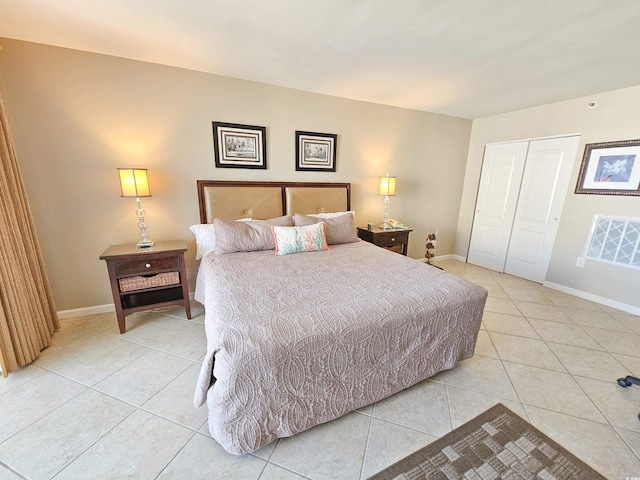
point(466, 58)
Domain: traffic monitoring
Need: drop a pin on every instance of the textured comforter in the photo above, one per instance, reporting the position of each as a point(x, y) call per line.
point(297, 340)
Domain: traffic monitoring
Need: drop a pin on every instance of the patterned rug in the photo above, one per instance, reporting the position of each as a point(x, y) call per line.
point(497, 444)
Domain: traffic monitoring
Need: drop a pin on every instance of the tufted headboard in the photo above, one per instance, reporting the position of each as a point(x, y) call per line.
point(262, 200)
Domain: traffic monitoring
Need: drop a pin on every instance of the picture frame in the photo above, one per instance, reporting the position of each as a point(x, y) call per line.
point(239, 146)
point(315, 152)
point(610, 168)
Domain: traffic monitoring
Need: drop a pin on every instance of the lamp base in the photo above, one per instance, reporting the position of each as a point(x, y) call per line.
point(144, 244)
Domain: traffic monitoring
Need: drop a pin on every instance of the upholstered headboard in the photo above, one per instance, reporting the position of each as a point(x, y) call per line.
point(262, 200)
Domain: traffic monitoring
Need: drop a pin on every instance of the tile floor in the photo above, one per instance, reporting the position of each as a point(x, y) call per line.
point(102, 405)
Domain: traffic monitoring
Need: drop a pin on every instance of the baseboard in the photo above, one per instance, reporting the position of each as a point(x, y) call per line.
point(594, 298)
point(94, 310)
point(81, 312)
point(439, 257)
point(459, 258)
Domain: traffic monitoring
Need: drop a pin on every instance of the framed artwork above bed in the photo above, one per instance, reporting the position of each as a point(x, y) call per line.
point(315, 151)
point(239, 146)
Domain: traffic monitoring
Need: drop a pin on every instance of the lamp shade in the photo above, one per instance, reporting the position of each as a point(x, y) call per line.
point(134, 182)
point(387, 186)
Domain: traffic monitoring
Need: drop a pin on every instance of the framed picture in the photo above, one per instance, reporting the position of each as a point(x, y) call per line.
point(611, 168)
point(315, 151)
point(239, 146)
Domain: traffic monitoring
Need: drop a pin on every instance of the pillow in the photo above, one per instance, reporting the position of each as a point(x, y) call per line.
point(332, 214)
point(340, 229)
point(247, 236)
point(310, 238)
point(206, 237)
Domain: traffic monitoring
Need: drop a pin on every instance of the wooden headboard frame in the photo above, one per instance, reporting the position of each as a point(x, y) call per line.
point(261, 200)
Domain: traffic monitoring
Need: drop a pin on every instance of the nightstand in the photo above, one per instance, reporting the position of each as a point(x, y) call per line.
point(395, 239)
point(146, 279)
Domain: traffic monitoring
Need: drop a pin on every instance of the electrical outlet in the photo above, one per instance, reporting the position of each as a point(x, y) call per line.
point(580, 262)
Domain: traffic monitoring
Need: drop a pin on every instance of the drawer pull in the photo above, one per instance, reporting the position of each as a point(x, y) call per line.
point(393, 239)
point(148, 265)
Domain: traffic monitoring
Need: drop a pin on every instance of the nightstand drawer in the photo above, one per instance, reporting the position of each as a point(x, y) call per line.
point(147, 266)
point(389, 239)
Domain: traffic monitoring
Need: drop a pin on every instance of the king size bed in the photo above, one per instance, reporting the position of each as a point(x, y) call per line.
point(295, 340)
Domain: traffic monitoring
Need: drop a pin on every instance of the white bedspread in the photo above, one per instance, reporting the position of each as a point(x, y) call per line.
point(298, 340)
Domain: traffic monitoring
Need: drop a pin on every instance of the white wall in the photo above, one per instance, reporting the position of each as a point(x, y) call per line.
point(75, 117)
point(615, 117)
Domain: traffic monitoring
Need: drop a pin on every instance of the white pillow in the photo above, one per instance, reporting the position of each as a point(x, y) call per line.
point(206, 237)
point(331, 214)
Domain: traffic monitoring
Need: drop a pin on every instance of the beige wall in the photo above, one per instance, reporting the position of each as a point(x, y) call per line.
point(75, 117)
point(614, 118)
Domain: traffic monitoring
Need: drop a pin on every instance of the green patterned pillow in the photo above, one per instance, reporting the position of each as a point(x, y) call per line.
point(309, 238)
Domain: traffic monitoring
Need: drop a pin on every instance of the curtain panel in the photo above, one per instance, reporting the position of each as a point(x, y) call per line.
point(28, 317)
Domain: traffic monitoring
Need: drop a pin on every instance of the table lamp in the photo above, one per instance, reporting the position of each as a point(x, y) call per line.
point(386, 187)
point(134, 183)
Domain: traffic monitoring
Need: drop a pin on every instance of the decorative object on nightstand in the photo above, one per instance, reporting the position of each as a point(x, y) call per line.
point(394, 239)
point(147, 279)
point(134, 183)
point(386, 187)
point(430, 247)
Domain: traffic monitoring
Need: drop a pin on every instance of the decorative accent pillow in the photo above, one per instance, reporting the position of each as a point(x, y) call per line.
point(332, 214)
point(247, 236)
point(310, 238)
point(340, 229)
point(205, 234)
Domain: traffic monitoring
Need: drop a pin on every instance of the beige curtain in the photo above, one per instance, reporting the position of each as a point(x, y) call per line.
point(27, 314)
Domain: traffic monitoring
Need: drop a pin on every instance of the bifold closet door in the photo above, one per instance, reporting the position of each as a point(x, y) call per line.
point(544, 187)
point(522, 190)
point(500, 179)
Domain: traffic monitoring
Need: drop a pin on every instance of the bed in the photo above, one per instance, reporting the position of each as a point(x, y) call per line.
point(296, 340)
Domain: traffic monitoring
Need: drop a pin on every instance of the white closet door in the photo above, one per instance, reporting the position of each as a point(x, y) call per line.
point(502, 169)
point(544, 188)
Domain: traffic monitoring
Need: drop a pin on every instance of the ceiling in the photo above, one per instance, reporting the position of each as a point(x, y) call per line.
point(466, 58)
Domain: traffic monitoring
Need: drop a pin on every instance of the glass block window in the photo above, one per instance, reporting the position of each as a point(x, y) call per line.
point(615, 240)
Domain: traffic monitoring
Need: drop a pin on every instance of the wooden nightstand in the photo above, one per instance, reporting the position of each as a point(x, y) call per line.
point(146, 279)
point(396, 239)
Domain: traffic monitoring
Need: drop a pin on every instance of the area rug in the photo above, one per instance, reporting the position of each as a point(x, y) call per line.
point(497, 444)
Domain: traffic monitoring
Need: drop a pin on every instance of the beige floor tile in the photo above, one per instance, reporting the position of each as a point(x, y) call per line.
point(632, 364)
point(495, 291)
point(465, 405)
point(484, 375)
point(542, 312)
point(274, 472)
point(328, 451)
point(565, 333)
point(632, 439)
point(202, 458)
point(618, 404)
point(407, 408)
point(101, 360)
point(33, 400)
point(505, 280)
point(553, 391)
point(138, 381)
point(526, 295)
point(389, 443)
point(175, 401)
point(63, 435)
point(501, 305)
point(585, 440)
point(527, 351)
point(103, 323)
point(616, 342)
point(592, 318)
point(632, 322)
point(479, 278)
point(6, 474)
point(484, 346)
point(131, 450)
point(589, 363)
point(182, 338)
point(510, 324)
point(24, 375)
point(565, 300)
